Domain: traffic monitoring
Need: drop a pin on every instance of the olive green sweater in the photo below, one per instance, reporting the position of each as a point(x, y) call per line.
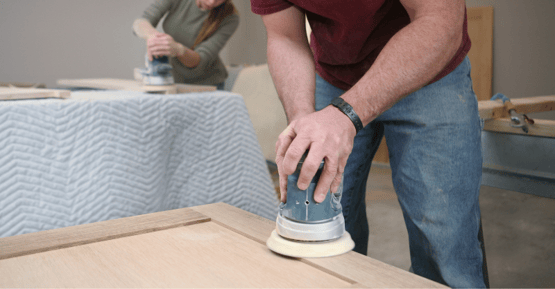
point(183, 22)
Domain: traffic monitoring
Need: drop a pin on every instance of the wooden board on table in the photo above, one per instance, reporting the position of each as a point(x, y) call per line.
point(23, 84)
point(10, 93)
point(207, 246)
point(480, 31)
point(133, 85)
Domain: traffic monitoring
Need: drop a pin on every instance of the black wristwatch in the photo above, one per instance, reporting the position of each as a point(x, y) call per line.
point(348, 110)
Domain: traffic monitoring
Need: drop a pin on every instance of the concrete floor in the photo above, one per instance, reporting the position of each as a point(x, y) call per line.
point(519, 233)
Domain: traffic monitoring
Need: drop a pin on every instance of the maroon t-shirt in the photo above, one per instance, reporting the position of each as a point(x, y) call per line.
point(348, 35)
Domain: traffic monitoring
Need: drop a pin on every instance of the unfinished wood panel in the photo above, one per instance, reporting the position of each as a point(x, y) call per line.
point(89, 233)
point(204, 255)
point(133, 85)
point(10, 93)
point(541, 127)
point(480, 30)
point(353, 266)
point(489, 109)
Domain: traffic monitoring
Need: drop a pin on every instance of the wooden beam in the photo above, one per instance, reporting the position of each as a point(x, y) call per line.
point(480, 31)
point(489, 109)
point(541, 127)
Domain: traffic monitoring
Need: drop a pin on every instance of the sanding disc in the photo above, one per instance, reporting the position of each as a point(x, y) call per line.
point(303, 249)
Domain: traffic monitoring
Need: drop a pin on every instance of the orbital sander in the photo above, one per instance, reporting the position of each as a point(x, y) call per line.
point(157, 72)
point(305, 228)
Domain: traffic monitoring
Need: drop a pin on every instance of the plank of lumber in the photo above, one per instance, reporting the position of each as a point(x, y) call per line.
point(353, 266)
point(480, 31)
point(201, 255)
point(490, 109)
point(133, 85)
point(188, 88)
point(114, 84)
point(541, 127)
point(31, 93)
point(23, 84)
point(89, 233)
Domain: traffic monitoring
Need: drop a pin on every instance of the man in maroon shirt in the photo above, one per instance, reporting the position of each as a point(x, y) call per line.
point(393, 67)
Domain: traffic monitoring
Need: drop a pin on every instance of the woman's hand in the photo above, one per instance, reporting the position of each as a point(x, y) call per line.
point(162, 44)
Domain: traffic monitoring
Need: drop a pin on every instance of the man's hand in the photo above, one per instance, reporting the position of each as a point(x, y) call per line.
point(162, 44)
point(328, 135)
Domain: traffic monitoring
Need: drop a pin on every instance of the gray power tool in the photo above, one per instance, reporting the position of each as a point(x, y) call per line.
point(305, 228)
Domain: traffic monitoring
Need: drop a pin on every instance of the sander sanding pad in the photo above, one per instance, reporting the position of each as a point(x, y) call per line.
point(308, 249)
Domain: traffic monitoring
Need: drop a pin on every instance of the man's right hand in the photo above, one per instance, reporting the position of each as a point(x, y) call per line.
point(328, 135)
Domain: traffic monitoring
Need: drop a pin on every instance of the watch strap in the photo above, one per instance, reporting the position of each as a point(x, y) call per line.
point(348, 110)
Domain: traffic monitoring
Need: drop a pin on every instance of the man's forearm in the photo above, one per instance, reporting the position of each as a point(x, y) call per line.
point(292, 68)
point(413, 57)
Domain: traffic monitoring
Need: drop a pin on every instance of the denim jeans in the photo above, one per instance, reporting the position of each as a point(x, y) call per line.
point(434, 143)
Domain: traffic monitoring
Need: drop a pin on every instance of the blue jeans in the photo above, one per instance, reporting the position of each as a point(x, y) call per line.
point(434, 143)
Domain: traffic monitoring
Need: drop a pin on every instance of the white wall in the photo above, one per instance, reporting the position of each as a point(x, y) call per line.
point(523, 47)
point(45, 40)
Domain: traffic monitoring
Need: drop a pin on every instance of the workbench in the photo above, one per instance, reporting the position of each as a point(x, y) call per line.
point(101, 155)
point(215, 245)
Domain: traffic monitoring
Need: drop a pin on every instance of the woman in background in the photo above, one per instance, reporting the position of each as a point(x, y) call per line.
point(195, 32)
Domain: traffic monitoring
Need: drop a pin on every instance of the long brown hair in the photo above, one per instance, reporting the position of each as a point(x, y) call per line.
point(215, 18)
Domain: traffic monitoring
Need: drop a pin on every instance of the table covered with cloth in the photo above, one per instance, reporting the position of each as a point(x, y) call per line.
point(102, 155)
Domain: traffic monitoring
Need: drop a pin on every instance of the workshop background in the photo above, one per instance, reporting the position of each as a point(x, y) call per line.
point(47, 40)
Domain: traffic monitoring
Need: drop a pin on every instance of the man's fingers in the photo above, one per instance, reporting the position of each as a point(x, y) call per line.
point(283, 187)
point(326, 178)
point(284, 140)
point(309, 168)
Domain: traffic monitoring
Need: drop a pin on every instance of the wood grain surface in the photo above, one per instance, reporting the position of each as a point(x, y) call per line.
point(214, 245)
point(12, 93)
point(133, 85)
point(49, 240)
point(352, 266)
point(204, 255)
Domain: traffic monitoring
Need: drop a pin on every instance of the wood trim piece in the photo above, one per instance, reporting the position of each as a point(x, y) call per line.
point(490, 109)
point(43, 241)
point(541, 127)
point(366, 271)
point(31, 93)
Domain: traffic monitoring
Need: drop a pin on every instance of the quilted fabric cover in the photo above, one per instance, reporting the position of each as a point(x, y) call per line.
point(110, 154)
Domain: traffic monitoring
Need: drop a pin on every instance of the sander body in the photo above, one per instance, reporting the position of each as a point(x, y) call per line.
point(156, 72)
point(305, 228)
